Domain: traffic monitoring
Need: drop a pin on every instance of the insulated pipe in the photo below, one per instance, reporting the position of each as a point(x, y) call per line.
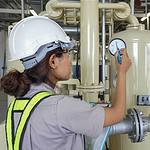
point(89, 53)
point(57, 4)
point(132, 20)
point(71, 29)
point(112, 6)
point(54, 8)
point(132, 2)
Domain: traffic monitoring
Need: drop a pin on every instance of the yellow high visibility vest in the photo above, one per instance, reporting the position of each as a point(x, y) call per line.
point(26, 106)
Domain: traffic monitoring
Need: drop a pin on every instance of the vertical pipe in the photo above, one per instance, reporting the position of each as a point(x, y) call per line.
point(146, 11)
point(103, 44)
point(89, 26)
point(147, 23)
point(110, 31)
point(145, 7)
point(111, 28)
point(132, 6)
point(41, 5)
point(22, 9)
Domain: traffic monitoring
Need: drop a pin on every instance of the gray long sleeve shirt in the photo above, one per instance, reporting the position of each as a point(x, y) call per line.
point(59, 122)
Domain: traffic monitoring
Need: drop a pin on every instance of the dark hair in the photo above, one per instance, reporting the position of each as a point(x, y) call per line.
point(18, 84)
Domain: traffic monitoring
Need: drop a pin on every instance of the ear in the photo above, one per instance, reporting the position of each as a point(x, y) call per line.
point(53, 61)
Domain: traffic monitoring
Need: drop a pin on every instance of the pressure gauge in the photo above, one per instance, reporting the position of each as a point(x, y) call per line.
point(116, 45)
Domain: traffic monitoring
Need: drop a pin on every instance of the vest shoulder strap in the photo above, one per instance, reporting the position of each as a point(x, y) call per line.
point(26, 106)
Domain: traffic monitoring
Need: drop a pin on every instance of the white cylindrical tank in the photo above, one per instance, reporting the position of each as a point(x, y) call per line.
point(137, 83)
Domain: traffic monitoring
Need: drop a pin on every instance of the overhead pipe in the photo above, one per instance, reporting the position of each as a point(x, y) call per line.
point(122, 10)
point(73, 4)
point(68, 4)
point(54, 8)
point(132, 20)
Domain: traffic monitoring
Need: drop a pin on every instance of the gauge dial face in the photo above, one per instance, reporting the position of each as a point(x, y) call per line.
point(116, 44)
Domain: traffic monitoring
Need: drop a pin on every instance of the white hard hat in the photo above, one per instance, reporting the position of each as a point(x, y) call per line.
point(29, 34)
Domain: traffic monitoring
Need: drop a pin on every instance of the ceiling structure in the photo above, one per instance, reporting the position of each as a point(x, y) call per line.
point(10, 10)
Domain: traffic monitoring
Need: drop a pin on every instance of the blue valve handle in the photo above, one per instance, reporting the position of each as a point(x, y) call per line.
point(119, 54)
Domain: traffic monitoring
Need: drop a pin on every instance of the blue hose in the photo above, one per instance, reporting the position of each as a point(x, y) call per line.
point(101, 140)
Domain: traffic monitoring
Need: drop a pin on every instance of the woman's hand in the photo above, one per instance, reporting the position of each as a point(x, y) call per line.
point(125, 62)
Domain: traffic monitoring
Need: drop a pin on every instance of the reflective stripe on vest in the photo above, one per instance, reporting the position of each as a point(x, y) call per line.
point(26, 106)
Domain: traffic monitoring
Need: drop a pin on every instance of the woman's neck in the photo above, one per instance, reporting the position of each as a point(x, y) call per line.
point(51, 81)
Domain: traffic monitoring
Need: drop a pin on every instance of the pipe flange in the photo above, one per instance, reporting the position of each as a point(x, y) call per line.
point(120, 14)
point(90, 89)
point(141, 125)
point(134, 135)
point(137, 135)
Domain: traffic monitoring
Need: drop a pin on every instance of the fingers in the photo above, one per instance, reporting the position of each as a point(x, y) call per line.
point(124, 56)
point(121, 54)
point(124, 53)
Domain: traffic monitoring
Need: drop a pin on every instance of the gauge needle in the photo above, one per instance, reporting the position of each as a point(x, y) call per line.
point(119, 55)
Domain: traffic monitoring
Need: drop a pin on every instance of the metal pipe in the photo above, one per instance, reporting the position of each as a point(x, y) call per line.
point(146, 10)
point(103, 43)
point(135, 125)
point(89, 53)
point(41, 5)
point(13, 11)
point(22, 9)
point(123, 127)
point(128, 126)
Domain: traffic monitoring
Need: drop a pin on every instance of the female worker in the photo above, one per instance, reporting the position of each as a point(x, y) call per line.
point(38, 119)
